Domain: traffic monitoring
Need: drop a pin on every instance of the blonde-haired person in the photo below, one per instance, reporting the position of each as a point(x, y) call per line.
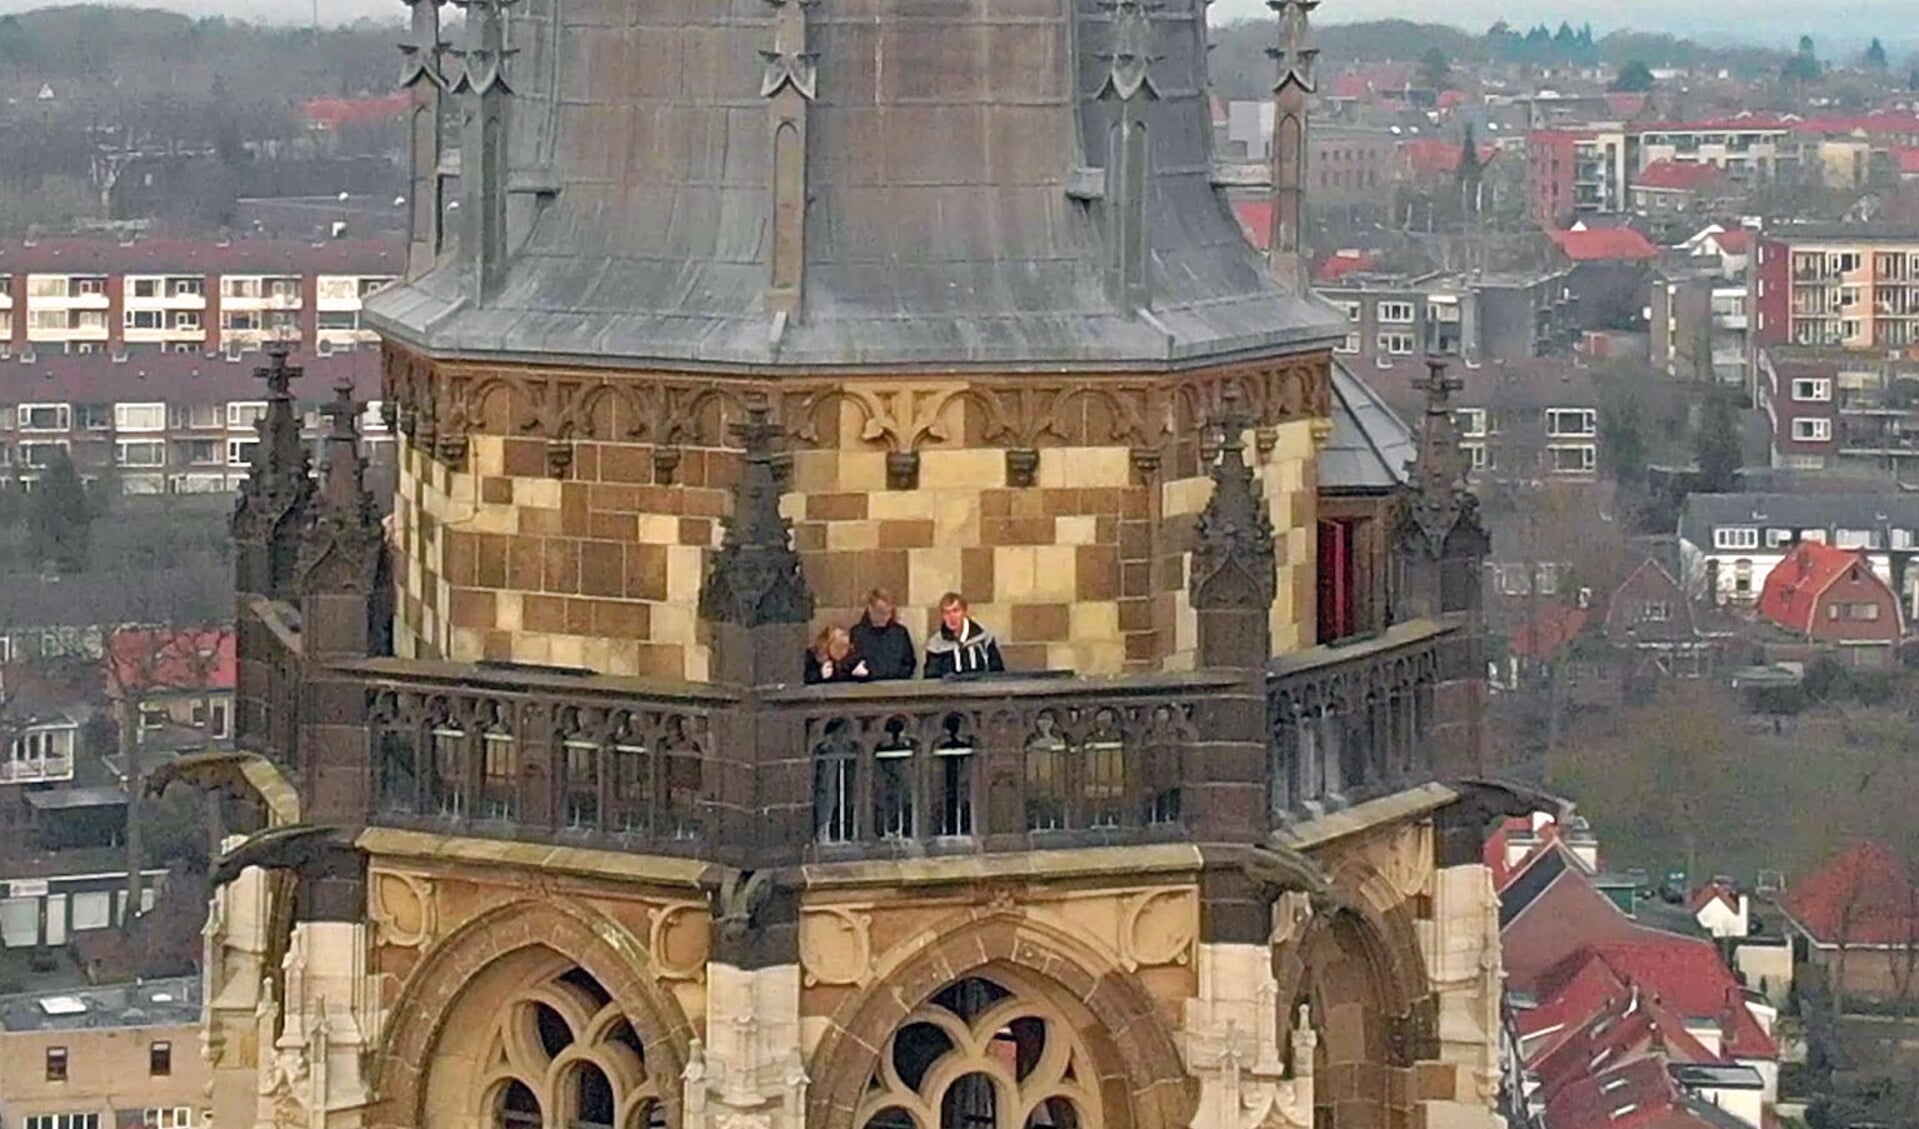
point(831, 658)
point(961, 646)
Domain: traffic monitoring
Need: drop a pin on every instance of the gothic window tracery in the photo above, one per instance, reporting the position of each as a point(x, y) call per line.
point(981, 1056)
point(563, 1056)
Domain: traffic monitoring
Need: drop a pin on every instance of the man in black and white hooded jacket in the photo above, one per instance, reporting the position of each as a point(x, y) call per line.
point(960, 646)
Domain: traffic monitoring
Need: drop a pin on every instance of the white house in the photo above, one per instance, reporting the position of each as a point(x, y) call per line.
point(1729, 543)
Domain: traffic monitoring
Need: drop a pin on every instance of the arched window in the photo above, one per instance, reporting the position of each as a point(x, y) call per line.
point(446, 748)
point(563, 1054)
point(980, 1056)
point(836, 794)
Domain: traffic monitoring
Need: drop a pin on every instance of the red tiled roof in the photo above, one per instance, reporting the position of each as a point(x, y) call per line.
point(1626, 104)
point(1569, 915)
point(1435, 155)
point(1339, 264)
point(1712, 892)
point(1862, 896)
point(1687, 975)
point(1450, 99)
point(1626, 1096)
point(1547, 633)
point(1624, 1027)
point(332, 113)
point(164, 659)
point(1791, 595)
point(1256, 220)
point(174, 378)
point(1677, 176)
point(201, 256)
point(1605, 244)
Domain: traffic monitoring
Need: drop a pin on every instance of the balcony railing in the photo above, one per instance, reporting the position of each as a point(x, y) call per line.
point(33, 771)
point(887, 770)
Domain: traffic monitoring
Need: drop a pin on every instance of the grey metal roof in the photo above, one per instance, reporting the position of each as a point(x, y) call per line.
point(939, 228)
point(172, 1002)
point(1369, 447)
point(1705, 512)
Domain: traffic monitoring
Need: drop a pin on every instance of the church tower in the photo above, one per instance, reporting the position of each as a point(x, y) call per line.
point(749, 309)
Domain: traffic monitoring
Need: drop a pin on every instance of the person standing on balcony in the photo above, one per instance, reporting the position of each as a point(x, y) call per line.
point(832, 658)
point(882, 640)
point(961, 646)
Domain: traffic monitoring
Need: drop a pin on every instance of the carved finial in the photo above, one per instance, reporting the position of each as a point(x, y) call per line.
point(483, 158)
point(1295, 53)
point(341, 550)
point(425, 50)
point(1437, 470)
point(272, 509)
point(755, 577)
point(1130, 59)
point(1233, 556)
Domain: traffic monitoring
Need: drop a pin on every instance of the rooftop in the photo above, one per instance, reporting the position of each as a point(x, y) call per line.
point(1706, 512)
point(1369, 447)
point(1677, 176)
point(1605, 244)
point(173, 378)
point(202, 256)
point(1794, 587)
point(1861, 896)
point(153, 1003)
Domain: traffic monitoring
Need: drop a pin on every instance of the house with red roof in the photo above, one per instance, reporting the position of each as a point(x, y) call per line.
point(1831, 597)
point(1605, 245)
point(1858, 918)
point(1721, 910)
point(1668, 188)
point(1434, 160)
point(175, 679)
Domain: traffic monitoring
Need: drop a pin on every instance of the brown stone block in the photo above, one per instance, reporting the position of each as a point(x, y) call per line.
point(906, 534)
point(490, 551)
point(573, 508)
point(1135, 541)
point(646, 572)
point(696, 531)
point(602, 568)
point(1106, 530)
point(976, 572)
point(627, 464)
point(1042, 623)
point(1136, 504)
point(579, 617)
point(586, 462)
point(1135, 580)
point(472, 609)
point(498, 646)
point(559, 565)
point(1017, 530)
point(621, 619)
point(461, 560)
point(1103, 499)
point(1030, 503)
point(834, 577)
point(722, 470)
point(1096, 572)
point(662, 660)
point(525, 458)
point(523, 563)
point(1436, 1081)
point(809, 536)
point(883, 568)
point(706, 503)
point(692, 471)
point(614, 499)
point(1060, 502)
point(836, 507)
point(1024, 656)
point(613, 527)
point(1135, 615)
point(543, 613)
point(665, 500)
point(1142, 648)
point(496, 491)
point(541, 522)
point(996, 503)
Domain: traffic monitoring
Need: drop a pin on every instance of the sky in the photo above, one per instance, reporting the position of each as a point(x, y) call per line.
point(1765, 23)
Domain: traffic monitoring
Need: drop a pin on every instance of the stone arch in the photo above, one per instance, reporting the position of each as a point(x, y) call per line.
point(504, 950)
point(1142, 1078)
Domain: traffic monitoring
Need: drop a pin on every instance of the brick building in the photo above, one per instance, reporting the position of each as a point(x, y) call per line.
point(104, 1057)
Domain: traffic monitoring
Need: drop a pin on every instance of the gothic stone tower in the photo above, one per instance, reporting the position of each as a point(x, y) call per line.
point(748, 306)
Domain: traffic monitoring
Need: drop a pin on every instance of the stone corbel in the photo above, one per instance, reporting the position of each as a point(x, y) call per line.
point(1022, 467)
point(666, 465)
point(1146, 463)
point(903, 470)
point(559, 457)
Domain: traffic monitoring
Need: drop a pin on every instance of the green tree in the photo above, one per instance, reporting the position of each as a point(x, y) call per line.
point(1716, 447)
point(1804, 65)
point(1633, 78)
point(1435, 70)
point(1876, 56)
point(59, 516)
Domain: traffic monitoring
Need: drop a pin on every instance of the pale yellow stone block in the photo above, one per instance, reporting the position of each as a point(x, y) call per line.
point(1295, 442)
point(507, 611)
point(1051, 474)
point(1185, 626)
point(1055, 573)
point(1091, 467)
point(533, 647)
point(972, 468)
point(1078, 529)
point(956, 519)
point(684, 571)
point(1185, 495)
point(1014, 578)
point(931, 573)
point(1099, 658)
point(1181, 661)
point(467, 645)
point(538, 493)
point(569, 650)
point(864, 472)
point(904, 505)
point(673, 623)
point(816, 472)
point(1095, 622)
point(699, 664)
point(486, 454)
point(847, 536)
point(488, 519)
point(622, 658)
point(658, 529)
point(1059, 656)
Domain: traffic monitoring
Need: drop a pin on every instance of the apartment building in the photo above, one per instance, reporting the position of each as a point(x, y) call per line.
point(88, 296)
point(1850, 286)
point(1482, 317)
point(104, 1057)
point(1578, 172)
point(161, 423)
point(1744, 147)
point(1700, 325)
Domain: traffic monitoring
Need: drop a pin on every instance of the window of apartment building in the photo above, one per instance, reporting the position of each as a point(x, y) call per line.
point(242, 321)
point(46, 319)
point(240, 452)
point(282, 319)
point(96, 417)
point(45, 417)
point(1848, 329)
point(1902, 538)
point(1480, 457)
point(46, 286)
point(186, 319)
point(1848, 296)
point(244, 414)
point(1349, 346)
point(183, 347)
point(1471, 422)
point(187, 287)
point(62, 1121)
point(1735, 537)
point(169, 1117)
point(1814, 389)
point(92, 909)
point(240, 287)
point(38, 456)
point(283, 287)
point(375, 285)
point(202, 417)
point(336, 288)
point(1395, 313)
point(89, 286)
point(1778, 537)
point(140, 417)
point(1843, 262)
point(140, 453)
point(1812, 430)
point(1855, 539)
point(337, 319)
point(144, 287)
point(1396, 344)
point(1351, 310)
point(1571, 421)
point(1442, 311)
point(203, 452)
point(56, 1064)
point(160, 1058)
point(1572, 460)
point(146, 319)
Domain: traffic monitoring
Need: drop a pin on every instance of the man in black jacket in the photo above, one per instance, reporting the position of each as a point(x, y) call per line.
point(882, 640)
point(961, 646)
